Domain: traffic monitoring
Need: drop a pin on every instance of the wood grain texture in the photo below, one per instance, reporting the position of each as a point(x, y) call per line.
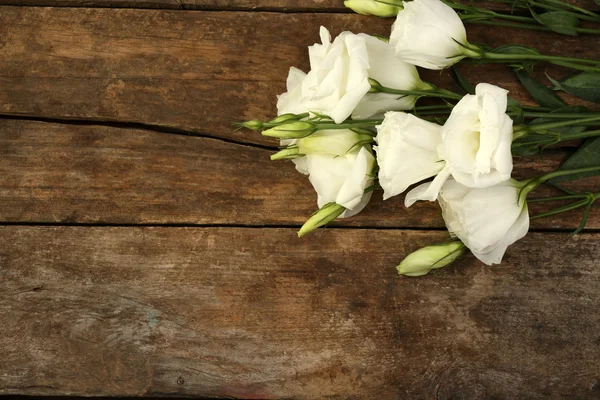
point(220, 312)
point(249, 5)
point(57, 173)
point(197, 71)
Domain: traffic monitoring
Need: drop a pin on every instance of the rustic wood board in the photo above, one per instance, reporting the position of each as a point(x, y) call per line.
point(272, 5)
point(197, 71)
point(254, 313)
point(65, 174)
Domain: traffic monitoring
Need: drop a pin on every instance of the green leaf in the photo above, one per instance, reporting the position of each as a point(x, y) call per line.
point(519, 149)
point(463, 83)
point(560, 21)
point(544, 96)
point(585, 85)
point(588, 155)
point(515, 111)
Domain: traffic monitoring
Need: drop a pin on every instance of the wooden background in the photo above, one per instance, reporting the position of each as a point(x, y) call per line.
point(147, 248)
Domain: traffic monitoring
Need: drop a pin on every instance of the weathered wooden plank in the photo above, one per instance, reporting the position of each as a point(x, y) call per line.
point(256, 313)
point(57, 173)
point(273, 5)
point(192, 70)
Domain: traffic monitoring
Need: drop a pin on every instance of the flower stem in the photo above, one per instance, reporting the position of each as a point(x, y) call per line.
point(564, 172)
point(434, 92)
point(551, 125)
point(540, 57)
point(562, 209)
point(571, 6)
point(557, 115)
point(559, 198)
point(365, 123)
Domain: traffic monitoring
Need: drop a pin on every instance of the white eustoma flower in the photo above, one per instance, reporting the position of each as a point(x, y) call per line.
point(430, 34)
point(476, 142)
point(342, 179)
point(384, 8)
point(391, 72)
point(291, 101)
point(486, 220)
point(335, 142)
point(406, 151)
point(340, 72)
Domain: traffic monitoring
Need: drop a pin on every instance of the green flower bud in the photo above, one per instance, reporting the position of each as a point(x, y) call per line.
point(254, 124)
point(287, 154)
point(379, 8)
point(287, 118)
point(436, 256)
point(291, 130)
point(334, 142)
point(325, 215)
point(375, 86)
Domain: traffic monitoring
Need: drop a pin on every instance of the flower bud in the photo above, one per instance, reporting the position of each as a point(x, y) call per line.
point(336, 142)
point(254, 124)
point(287, 154)
point(291, 130)
point(287, 118)
point(325, 215)
point(375, 86)
point(427, 258)
point(386, 8)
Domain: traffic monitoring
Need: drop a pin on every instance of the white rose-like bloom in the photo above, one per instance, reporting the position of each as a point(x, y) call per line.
point(430, 34)
point(342, 179)
point(486, 220)
point(476, 142)
point(340, 72)
point(290, 101)
point(406, 151)
point(391, 72)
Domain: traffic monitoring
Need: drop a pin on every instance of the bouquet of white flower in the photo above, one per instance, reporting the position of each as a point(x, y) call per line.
point(352, 124)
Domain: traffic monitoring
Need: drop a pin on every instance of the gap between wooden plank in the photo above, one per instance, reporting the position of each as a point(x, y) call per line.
point(266, 226)
point(135, 125)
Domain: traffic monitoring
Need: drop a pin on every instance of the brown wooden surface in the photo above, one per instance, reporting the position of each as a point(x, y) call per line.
point(250, 5)
point(252, 313)
point(57, 173)
point(147, 248)
point(197, 71)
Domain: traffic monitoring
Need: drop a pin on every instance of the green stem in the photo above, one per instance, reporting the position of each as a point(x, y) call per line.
point(584, 68)
point(562, 209)
point(564, 172)
point(435, 92)
point(572, 7)
point(559, 198)
point(540, 57)
point(581, 135)
point(552, 115)
point(510, 25)
point(551, 125)
point(348, 125)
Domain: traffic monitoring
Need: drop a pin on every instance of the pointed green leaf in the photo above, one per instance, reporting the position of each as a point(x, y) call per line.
point(544, 96)
point(560, 21)
point(462, 82)
point(585, 85)
point(588, 155)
